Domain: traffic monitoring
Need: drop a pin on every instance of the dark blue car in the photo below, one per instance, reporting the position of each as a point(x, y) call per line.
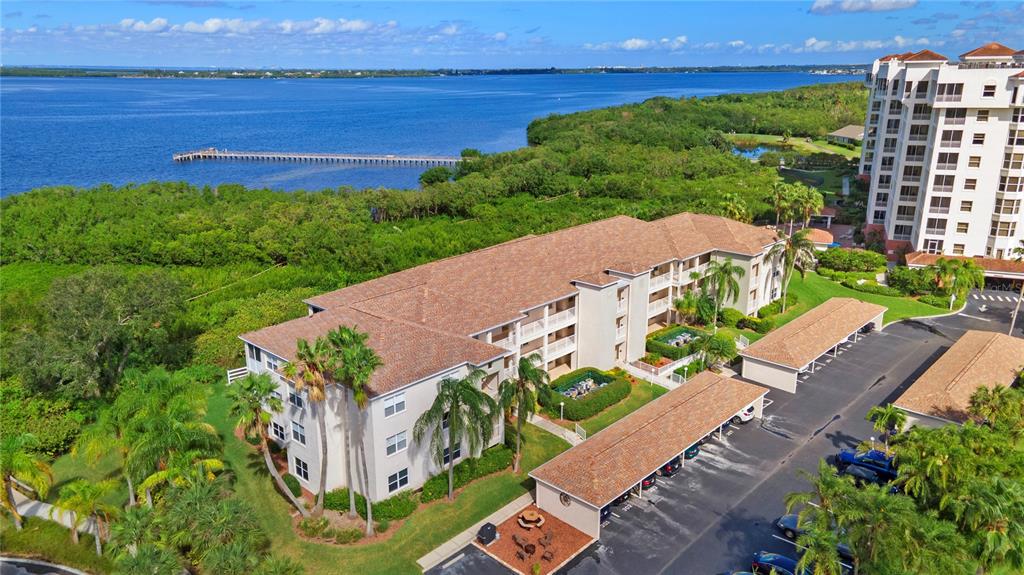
point(764, 562)
point(874, 460)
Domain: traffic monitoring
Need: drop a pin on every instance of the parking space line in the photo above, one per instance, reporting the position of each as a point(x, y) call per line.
point(975, 317)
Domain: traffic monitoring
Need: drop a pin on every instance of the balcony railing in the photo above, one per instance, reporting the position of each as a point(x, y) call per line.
point(662, 281)
point(921, 116)
point(935, 231)
point(938, 209)
point(901, 237)
point(620, 306)
point(942, 189)
point(915, 158)
point(891, 150)
point(620, 332)
point(506, 342)
point(917, 137)
point(561, 318)
point(909, 198)
point(885, 168)
point(892, 131)
point(532, 330)
point(955, 121)
point(950, 143)
point(912, 178)
point(881, 203)
point(949, 97)
point(904, 218)
point(561, 347)
point(945, 166)
point(657, 306)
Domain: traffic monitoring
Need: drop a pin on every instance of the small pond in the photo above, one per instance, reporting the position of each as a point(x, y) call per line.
point(754, 152)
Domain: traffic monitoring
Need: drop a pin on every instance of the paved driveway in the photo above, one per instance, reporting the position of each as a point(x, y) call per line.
point(719, 509)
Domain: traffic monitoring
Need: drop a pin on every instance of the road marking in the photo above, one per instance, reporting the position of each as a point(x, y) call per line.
point(975, 317)
point(614, 514)
point(974, 295)
point(453, 561)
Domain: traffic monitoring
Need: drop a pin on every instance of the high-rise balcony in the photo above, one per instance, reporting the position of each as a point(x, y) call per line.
point(620, 332)
point(660, 282)
point(532, 330)
point(657, 306)
point(620, 306)
point(915, 158)
point(561, 347)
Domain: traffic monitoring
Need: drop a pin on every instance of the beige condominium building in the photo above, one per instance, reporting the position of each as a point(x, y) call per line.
point(944, 152)
point(586, 296)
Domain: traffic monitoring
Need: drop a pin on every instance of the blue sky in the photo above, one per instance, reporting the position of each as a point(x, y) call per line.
point(254, 33)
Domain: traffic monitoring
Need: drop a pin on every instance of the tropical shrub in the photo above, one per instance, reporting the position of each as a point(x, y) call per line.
point(730, 317)
point(776, 306)
point(935, 300)
point(665, 350)
point(490, 461)
point(313, 526)
point(760, 325)
point(911, 281)
point(53, 421)
point(691, 369)
point(651, 358)
point(345, 536)
point(293, 484)
point(851, 260)
point(383, 526)
point(398, 506)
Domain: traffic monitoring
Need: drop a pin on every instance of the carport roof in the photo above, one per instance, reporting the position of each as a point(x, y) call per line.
point(978, 358)
point(811, 335)
point(614, 460)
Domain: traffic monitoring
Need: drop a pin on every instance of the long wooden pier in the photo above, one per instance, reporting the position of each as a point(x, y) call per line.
point(366, 159)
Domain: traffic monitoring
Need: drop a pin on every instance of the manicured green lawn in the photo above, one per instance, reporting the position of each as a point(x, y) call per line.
point(426, 529)
point(814, 289)
point(46, 540)
point(797, 144)
point(641, 394)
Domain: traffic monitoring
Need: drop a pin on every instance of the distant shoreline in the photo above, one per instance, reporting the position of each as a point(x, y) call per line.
point(312, 74)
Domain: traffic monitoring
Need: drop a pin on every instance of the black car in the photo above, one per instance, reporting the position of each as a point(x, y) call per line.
point(670, 468)
point(649, 481)
point(620, 499)
point(606, 512)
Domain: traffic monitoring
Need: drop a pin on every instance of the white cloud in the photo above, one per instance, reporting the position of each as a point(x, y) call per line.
point(737, 44)
point(635, 44)
point(674, 43)
point(840, 6)
point(813, 44)
point(450, 30)
point(222, 25)
point(154, 25)
point(500, 36)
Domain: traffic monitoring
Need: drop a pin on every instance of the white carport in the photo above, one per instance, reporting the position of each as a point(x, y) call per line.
point(577, 484)
point(802, 345)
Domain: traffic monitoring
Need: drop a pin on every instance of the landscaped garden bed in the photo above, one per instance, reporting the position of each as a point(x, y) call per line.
point(614, 387)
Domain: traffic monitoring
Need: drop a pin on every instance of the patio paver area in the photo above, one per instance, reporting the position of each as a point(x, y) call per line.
point(565, 543)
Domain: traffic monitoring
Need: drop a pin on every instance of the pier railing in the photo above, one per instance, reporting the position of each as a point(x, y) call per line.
point(365, 159)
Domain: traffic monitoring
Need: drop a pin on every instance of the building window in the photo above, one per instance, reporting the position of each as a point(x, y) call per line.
point(1016, 138)
point(754, 269)
point(298, 432)
point(956, 115)
point(254, 353)
point(398, 480)
point(394, 404)
point(974, 162)
point(1011, 184)
point(943, 183)
point(970, 184)
point(958, 249)
point(988, 91)
point(444, 420)
point(902, 232)
point(912, 174)
point(951, 138)
point(458, 453)
point(885, 181)
point(982, 115)
point(301, 469)
point(905, 213)
point(1017, 116)
point(1013, 161)
point(962, 227)
point(1003, 229)
point(879, 216)
point(935, 226)
point(396, 443)
point(295, 399)
point(966, 205)
point(1009, 207)
point(271, 362)
point(947, 160)
point(939, 205)
point(922, 89)
point(978, 140)
point(950, 92)
point(908, 193)
point(277, 430)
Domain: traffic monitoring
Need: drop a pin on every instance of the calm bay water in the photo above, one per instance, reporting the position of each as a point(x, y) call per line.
point(87, 131)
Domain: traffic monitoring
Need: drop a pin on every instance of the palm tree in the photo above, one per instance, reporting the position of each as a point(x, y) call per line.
point(686, 306)
point(114, 429)
point(819, 541)
point(724, 278)
point(811, 203)
point(18, 462)
point(1018, 256)
point(133, 529)
point(952, 275)
point(470, 414)
point(990, 404)
point(84, 500)
point(797, 253)
point(521, 392)
point(780, 197)
point(887, 420)
point(357, 363)
point(253, 399)
point(715, 348)
point(150, 559)
point(309, 372)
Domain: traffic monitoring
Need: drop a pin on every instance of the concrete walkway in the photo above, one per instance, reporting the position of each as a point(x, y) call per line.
point(33, 508)
point(556, 430)
point(453, 545)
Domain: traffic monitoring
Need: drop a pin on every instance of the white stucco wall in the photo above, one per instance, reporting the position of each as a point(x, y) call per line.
point(769, 374)
point(595, 327)
point(578, 513)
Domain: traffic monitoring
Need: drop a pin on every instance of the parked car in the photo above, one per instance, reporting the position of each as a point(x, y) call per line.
point(878, 461)
point(692, 451)
point(670, 468)
point(862, 475)
point(620, 499)
point(606, 512)
point(743, 416)
point(764, 562)
point(649, 481)
point(787, 524)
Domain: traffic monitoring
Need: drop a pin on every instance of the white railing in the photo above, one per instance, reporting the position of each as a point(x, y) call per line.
point(742, 342)
point(561, 318)
point(659, 282)
point(581, 432)
point(620, 306)
point(658, 306)
point(561, 347)
point(620, 332)
point(505, 343)
point(236, 374)
point(532, 329)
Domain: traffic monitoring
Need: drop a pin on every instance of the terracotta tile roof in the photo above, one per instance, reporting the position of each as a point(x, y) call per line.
point(408, 351)
point(611, 462)
point(990, 50)
point(925, 56)
point(1018, 75)
point(820, 236)
point(809, 336)
point(922, 259)
point(888, 57)
point(978, 358)
point(599, 279)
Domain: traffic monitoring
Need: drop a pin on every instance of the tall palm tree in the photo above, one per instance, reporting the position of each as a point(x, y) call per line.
point(715, 348)
point(990, 404)
point(811, 202)
point(470, 413)
point(953, 275)
point(819, 541)
point(84, 499)
point(520, 392)
point(18, 462)
point(686, 305)
point(309, 372)
point(779, 196)
point(357, 363)
point(134, 528)
point(253, 399)
point(887, 419)
point(797, 254)
point(724, 278)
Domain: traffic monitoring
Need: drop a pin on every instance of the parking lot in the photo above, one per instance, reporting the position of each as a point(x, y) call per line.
point(720, 508)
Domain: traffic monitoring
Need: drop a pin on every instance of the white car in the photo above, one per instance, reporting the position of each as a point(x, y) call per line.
point(743, 416)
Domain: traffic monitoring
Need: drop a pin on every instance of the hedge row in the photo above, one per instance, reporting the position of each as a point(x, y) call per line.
point(872, 288)
point(399, 506)
point(760, 325)
point(590, 404)
point(775, 307)
point(490, 461)
point(851, 260)
point(293, 484)
point(935, 300)
point(730, 317)
point(838, 276)
point(670, 351)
